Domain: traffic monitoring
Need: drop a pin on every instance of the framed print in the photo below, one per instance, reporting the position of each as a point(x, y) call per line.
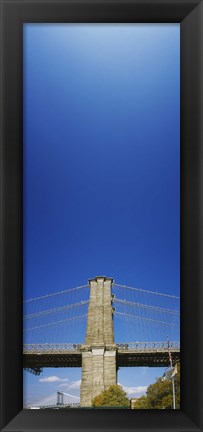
point(105, 152)
point(101, 215)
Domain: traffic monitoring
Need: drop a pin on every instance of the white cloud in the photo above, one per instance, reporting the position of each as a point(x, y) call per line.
point(53, 378)
point(63, 385)
point(139, 390)
point(75, 384)
point(72, 385)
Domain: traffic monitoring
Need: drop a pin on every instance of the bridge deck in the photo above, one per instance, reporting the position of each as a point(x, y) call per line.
point(58, 359)
point(128, 355)
point(145, 358)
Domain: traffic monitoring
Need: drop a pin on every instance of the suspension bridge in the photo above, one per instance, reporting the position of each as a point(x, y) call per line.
point(100, 327)
point(57, 400)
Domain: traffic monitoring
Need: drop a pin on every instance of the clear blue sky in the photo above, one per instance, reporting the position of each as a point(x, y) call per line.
point(101, 162)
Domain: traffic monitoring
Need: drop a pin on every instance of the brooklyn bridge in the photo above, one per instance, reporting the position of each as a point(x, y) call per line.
point(100, 327)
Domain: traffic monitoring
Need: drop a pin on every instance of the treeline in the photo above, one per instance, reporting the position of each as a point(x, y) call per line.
point(160, 394)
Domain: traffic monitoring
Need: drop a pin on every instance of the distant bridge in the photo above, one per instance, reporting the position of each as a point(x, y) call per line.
point(58, 400)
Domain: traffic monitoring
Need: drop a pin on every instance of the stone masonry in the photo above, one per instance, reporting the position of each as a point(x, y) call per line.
point(99, 350)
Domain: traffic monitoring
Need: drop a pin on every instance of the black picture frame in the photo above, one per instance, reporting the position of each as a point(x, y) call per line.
point(13, 14)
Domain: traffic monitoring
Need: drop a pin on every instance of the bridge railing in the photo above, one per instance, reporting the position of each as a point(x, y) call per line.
point(37, 348)
point(135, 346)
point(148, 346)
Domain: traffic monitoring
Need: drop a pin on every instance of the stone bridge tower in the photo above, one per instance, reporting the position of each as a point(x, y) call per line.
point(99, 350)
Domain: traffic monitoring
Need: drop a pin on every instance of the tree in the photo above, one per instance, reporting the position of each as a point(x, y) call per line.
point(115, 396)
point(160, 395)
point(141, 403)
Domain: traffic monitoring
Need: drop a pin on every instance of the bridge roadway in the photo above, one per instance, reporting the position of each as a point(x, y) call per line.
point(37, 356)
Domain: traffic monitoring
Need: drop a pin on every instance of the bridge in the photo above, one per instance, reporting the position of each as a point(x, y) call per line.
point(128, 354)
point(104, 308)
point(56, 401)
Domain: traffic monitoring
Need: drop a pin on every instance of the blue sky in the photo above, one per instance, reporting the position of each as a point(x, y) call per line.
point(101, 163)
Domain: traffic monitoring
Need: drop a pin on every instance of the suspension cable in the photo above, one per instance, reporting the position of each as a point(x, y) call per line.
point(141, 305)
point(56, 293)
point(146, 319)
point(146, 291)
point(48, 311)
point(56, 322)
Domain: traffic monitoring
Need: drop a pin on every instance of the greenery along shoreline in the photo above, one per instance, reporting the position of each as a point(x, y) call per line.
point(158, 396)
